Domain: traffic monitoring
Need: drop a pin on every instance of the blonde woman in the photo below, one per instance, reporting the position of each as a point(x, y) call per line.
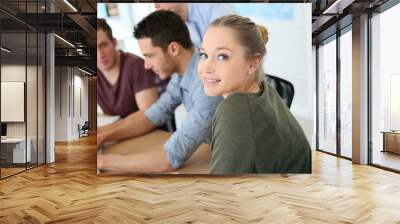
point(253, 131)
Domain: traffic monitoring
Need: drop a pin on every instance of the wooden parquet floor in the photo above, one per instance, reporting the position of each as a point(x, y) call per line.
point(69, 191)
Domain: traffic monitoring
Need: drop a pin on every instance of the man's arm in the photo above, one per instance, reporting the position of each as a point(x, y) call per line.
point(194, 130)
point(154, 161)
point(142, 122)
point(134, 125)
point(144, 99)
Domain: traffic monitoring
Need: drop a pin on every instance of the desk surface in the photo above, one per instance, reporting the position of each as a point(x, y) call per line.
point(196, 164)
point(391, 132)
point(13, 140)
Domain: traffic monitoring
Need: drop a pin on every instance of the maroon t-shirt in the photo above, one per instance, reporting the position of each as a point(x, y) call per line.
point(119, 99)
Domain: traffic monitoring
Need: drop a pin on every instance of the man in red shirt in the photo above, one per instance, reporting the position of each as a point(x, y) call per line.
point(124, 86)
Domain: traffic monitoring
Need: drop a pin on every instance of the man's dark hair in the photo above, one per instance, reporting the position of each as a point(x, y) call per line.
point(102, 25)
point(163, 27)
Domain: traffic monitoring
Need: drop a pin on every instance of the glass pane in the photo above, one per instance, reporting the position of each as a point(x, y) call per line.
point(346, 94)
point(13, 85)
point(386, 89)
point(31, 101)
point(327, 97)
point(41, 99)
point(22, 78)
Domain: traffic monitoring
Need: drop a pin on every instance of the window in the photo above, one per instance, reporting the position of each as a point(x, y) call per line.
point(385, 89)
point(327, 97)
point(346, 94)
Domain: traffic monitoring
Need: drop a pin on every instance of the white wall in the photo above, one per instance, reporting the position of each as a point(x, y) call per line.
point(289, 53)
point(80, 102)
point(12, 101)
point(61, 103)
point(314, 73)
point(14, 73)
point(68, 83)
point(122, 25)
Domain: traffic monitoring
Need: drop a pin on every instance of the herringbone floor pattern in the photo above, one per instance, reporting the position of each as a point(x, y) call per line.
point(69, 191)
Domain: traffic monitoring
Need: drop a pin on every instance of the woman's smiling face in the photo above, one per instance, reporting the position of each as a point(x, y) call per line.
point(223, 66)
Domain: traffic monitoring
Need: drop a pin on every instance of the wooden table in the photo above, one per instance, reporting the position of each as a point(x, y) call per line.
point(391, 141)
point(196, 164)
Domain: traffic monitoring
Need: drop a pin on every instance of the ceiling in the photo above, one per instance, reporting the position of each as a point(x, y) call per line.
point(328, 16)
point(74, 22)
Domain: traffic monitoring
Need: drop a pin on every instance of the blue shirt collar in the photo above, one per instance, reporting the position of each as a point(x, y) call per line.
point(190, 72)
point(189, 12)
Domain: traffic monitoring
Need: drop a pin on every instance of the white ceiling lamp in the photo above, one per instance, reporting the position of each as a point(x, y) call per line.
point(70, 5)
point(86, 72)
point(5, 50)
point(79, 51)
point(337, 7)
point(65, 41)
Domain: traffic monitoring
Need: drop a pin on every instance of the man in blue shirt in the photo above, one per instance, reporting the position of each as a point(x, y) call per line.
point(197, 16)
point(165, 43)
